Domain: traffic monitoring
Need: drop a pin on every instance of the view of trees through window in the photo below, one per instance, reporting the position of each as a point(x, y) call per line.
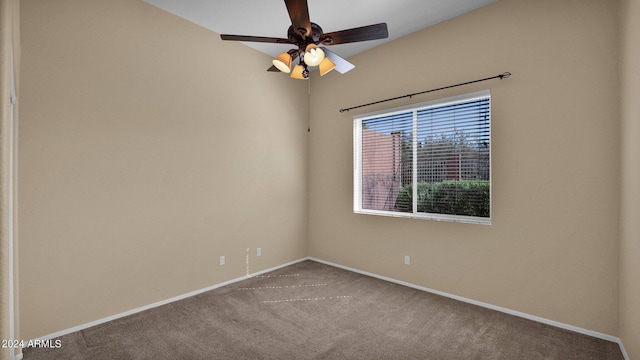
point(449, 156)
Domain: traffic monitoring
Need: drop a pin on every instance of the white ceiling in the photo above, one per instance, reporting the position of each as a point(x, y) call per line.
point(270, 17)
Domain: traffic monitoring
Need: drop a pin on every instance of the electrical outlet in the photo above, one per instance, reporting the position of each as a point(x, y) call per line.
point(222, 260)
point(407, 260)
point(259, 252)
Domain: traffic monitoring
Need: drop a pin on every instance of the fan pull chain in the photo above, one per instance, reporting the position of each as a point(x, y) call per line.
point(309, 115)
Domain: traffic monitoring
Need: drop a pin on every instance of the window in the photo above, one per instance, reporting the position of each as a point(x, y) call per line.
point(430, 160)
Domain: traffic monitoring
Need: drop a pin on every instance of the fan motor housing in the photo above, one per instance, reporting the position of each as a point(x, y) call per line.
point(301, 38)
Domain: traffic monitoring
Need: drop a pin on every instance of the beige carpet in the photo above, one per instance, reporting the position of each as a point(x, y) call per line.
point(314, 311)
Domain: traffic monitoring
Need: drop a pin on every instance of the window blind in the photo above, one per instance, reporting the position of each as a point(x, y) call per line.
point(431, 160)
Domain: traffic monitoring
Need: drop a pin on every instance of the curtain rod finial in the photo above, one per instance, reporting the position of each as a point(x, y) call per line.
point(505, 75)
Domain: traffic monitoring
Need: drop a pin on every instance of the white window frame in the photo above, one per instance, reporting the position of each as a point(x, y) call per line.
point(357, 161)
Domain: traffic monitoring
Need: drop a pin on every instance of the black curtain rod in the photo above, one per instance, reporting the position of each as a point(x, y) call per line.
point(501, 76)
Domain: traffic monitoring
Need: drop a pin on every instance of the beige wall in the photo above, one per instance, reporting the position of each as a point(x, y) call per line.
point(148, 148)
point(630, 226)
point(552, 249)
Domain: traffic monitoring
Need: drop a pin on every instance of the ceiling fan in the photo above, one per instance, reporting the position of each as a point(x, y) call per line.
point(307, 36)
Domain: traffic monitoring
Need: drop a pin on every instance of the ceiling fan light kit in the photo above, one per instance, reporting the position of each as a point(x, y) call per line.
point(307, 36)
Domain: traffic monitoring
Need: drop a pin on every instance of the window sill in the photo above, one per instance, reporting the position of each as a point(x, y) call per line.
point(426, 216)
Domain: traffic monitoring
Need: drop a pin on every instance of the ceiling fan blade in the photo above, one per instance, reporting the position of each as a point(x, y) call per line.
point(273, 68)
point(299, 14)
point(342, 65)
point(364, 33)
point(255, 39)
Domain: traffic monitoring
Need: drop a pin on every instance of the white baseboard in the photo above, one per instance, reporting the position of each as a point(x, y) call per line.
point(624, 351)
point(160, 303)
point(486, 305)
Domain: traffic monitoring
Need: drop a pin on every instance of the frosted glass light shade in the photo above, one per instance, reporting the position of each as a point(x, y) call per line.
point(298, 72)
point(283, 62)
point(313, 55)
point(326, 65)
